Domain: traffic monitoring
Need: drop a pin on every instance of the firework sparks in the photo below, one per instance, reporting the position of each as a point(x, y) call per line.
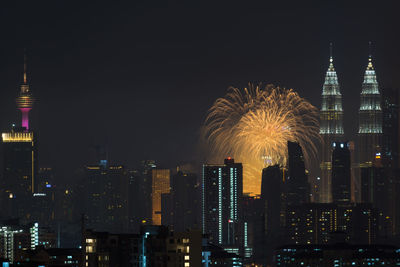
point(253, 125)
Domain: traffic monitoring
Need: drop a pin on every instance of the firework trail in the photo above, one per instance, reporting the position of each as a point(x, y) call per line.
point(253, 125)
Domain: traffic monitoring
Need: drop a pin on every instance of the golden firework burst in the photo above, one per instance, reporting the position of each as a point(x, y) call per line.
point(253, 125)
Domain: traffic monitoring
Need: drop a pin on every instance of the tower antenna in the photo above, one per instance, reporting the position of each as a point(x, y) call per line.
point(25, 59)
point(330, 52)
point(370, 49)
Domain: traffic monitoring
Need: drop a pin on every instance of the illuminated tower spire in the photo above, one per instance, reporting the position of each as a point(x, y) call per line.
point(331, 126)
point(25, 99)
point(370, 117)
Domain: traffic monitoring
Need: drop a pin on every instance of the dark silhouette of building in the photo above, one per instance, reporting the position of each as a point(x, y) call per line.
point(50, 257)
point(154, 246)
point(106, 197)
point(298, 188)
point(341, 173)
point(339, 254)
point(253, 220)
point(222, 187)
point(390, 127)
point(140, 189)
point(390, 154)
point(273, 208)
point(180, 208)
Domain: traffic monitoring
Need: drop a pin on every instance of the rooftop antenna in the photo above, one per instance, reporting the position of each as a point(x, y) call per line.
point(25, 59)
point(370, 50)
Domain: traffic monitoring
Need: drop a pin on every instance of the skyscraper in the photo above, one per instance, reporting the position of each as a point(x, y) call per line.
point(298, 188)
point(181, 207)
point(331, 127)
point(222, 189)
point(273, 209)
point(20, 161)
point(370, 119)
point(106, 189)
point(341, 173)
point(390, 152)
point(160, 185)
point(390, 127)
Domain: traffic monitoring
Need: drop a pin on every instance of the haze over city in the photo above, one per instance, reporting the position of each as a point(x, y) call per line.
point(220, 133)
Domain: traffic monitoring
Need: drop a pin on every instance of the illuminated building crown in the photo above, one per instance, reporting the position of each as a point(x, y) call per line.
point(331, 114)
point(370, 120)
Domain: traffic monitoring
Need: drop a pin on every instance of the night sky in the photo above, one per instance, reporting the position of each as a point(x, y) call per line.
point(140, 75)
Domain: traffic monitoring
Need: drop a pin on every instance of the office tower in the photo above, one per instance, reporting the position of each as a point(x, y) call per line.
point(139, 196)
point(390, 152)
point(331, 127)
point(273, 211)
point(253, 225)
point(390, 127)
point(341, 173)
point(370, 120)
point(298, 188)
point(20, 161)
point(271, 196)
point(160, 185)
point(222, 189)
point(181, 207)
point(106, 188)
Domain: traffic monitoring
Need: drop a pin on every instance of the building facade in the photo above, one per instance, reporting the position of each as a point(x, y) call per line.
point(160, 185)
point(222, 189)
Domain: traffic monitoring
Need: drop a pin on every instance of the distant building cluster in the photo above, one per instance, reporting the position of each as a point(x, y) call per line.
point(149, 215)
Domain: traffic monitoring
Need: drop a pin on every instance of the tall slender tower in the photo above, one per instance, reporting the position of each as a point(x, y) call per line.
point(370, 119)
point(331, 127)
point(25, 99)
point(18, 182)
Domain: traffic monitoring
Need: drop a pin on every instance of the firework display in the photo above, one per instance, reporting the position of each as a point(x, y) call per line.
point(253, 125)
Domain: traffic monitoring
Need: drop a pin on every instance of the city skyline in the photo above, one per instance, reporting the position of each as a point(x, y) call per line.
point(199, 134)
point(145, 83)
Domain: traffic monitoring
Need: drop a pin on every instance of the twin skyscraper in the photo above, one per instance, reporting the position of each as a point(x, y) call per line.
point(369, 136)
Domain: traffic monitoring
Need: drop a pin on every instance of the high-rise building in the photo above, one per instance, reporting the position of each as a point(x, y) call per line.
point(298, 188)
point(222, 189)
point(390, 153)
point(273, 210)
point(180, 208)
point(370, 120)
point(140, 193)
point(272, 195)
point(313, 223)
point(331, 127)
point(390, 127)
point(341, 173)
point(106, 188)
point(253, 225)
point(20, 161)
point(160, 185)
